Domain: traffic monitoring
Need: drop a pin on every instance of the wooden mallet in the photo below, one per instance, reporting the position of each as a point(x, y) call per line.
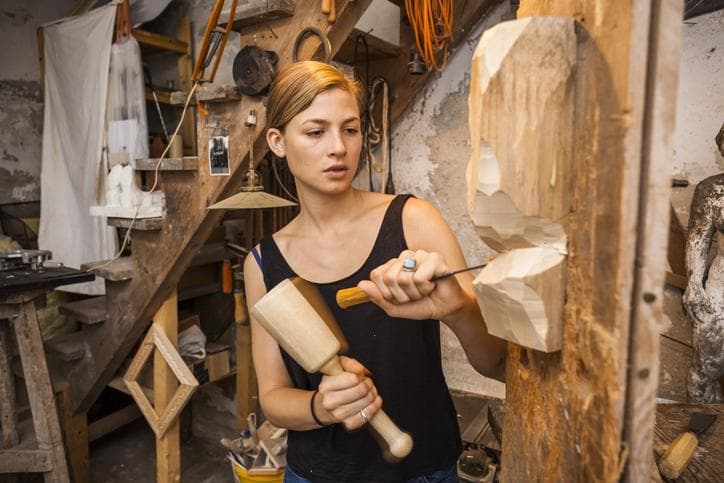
point(295, 314)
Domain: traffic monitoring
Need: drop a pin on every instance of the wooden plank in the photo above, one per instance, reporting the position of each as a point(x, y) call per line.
point(708, 461)
point(568, 408)
point(40, 392)
point(98, 429)
point(152, 42)
point(659, 125)
point(258, 12)
point(140, 224)
point(165, 256)
point(26, 461)
point(75, 435)
point(88, 311)
point(68, 347)
point(246, 390)
point(187, 163)
point(168, 447)
point(120, 269)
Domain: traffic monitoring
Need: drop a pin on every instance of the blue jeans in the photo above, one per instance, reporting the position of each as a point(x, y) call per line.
point(447, 475)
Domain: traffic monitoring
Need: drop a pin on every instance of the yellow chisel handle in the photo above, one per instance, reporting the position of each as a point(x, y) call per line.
point(348, 297)
point(326, 6)
point(678, 455)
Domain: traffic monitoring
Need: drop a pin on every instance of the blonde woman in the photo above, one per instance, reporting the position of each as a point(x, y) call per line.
point(390, 247)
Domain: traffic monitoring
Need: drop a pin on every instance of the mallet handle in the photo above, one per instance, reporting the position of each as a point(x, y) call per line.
point(399, 443)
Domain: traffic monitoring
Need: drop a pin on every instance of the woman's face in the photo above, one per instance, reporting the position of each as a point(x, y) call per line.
point(322, 143)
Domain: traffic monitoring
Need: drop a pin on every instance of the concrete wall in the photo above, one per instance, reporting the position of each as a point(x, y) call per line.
point(21, 104)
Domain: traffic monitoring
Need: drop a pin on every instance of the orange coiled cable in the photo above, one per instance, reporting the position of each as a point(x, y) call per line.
point(431, 22)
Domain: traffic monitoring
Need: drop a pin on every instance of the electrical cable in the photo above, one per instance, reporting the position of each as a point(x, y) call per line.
point(431, 22)
point(279, 180)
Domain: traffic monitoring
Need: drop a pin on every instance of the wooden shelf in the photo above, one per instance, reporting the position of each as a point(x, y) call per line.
point(164, 97)
point(152, 43)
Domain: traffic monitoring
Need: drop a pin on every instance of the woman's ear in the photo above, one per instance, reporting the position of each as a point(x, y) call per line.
point(275, 140)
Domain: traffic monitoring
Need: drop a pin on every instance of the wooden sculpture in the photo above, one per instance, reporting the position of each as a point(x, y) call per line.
point(519, 175)
point(296, 316)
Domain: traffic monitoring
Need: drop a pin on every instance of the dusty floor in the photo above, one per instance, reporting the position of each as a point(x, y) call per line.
point(128, 455)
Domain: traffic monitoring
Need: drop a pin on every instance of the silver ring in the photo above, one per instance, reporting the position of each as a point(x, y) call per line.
point(409, 265)
point(364, 416)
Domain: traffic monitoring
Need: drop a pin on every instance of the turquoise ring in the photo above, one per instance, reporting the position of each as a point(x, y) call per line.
point(409, 265)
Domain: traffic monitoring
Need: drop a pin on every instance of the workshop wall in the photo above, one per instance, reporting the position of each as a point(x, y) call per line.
point(700, 107)
point(21, 103)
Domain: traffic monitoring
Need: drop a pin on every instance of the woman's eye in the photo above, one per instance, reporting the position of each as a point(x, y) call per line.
point(351, 130)
point(314, 134)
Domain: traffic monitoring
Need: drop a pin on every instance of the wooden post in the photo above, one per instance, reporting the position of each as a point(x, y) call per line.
point(7, 393)
point(75, 434)
point(585, 413)
point(168, 446)
point(245, 380)
point(40, 392)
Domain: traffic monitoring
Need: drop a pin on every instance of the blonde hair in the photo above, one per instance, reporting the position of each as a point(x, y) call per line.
point(298, 84)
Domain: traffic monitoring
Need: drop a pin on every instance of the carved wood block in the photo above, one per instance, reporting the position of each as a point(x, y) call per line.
point(520, 173)
point(520, 293)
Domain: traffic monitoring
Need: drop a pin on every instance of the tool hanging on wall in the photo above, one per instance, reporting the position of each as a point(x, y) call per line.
point(330, 10)
point(212, 46)
point(149, 83)
point(380, 171)
point(322, 37)
point(254, 70)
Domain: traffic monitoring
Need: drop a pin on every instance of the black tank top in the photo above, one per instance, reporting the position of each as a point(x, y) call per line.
point(405, 361)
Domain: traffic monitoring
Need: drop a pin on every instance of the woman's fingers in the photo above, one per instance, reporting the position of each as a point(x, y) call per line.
point(405, 278)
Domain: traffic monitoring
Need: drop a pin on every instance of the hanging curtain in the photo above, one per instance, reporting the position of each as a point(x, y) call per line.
point(77, 56)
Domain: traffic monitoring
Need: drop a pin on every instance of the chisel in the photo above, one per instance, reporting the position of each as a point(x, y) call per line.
point(348, 297)
point(680, 452)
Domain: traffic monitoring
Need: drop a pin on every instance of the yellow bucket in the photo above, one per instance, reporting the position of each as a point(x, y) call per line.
point(242, 476)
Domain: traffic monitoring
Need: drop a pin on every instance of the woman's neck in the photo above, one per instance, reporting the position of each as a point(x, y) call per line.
point(318, 212)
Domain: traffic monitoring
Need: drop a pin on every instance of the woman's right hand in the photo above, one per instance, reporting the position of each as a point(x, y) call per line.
point(343, 397)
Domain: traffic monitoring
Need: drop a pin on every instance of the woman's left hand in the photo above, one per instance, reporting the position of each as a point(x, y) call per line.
point(411, 294)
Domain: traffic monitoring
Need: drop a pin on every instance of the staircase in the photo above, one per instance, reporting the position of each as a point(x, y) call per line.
point(163, 249)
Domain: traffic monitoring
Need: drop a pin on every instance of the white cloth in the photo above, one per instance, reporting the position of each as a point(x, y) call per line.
point(77, 56)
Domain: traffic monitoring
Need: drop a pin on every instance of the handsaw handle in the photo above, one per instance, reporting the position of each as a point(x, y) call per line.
point(399, 443)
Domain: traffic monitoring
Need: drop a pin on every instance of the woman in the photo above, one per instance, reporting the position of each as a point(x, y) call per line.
point(343, 237)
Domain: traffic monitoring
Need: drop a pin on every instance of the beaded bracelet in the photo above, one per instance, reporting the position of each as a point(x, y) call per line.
point(311, 408)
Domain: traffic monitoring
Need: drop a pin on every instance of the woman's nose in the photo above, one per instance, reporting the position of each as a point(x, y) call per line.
point(337, 145)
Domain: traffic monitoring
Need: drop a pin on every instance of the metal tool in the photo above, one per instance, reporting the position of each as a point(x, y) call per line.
point(322, 36)
point(348, 297)
point(680, 452)
point(26, 259)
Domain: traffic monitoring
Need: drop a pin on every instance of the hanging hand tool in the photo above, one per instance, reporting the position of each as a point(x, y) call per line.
point(680, 452)
point(348, 297)
point(330, 10)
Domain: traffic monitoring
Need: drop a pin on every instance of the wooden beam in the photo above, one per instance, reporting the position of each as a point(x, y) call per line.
point(98, 429)
point(568, 409)
point(26, 461)
point(152, 42)
point(168, 446)
point(75, 435)
point(659, 125)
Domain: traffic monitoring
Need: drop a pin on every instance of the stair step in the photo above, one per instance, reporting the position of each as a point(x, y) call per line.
point(187, 163)
point(88, 311)
point(144, 224)
point(120, 269)
point(68, 347)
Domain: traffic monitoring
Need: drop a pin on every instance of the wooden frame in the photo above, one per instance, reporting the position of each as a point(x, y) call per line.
point(156, 338)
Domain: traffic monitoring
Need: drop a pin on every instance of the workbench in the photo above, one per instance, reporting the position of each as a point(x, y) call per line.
point(19, 289)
